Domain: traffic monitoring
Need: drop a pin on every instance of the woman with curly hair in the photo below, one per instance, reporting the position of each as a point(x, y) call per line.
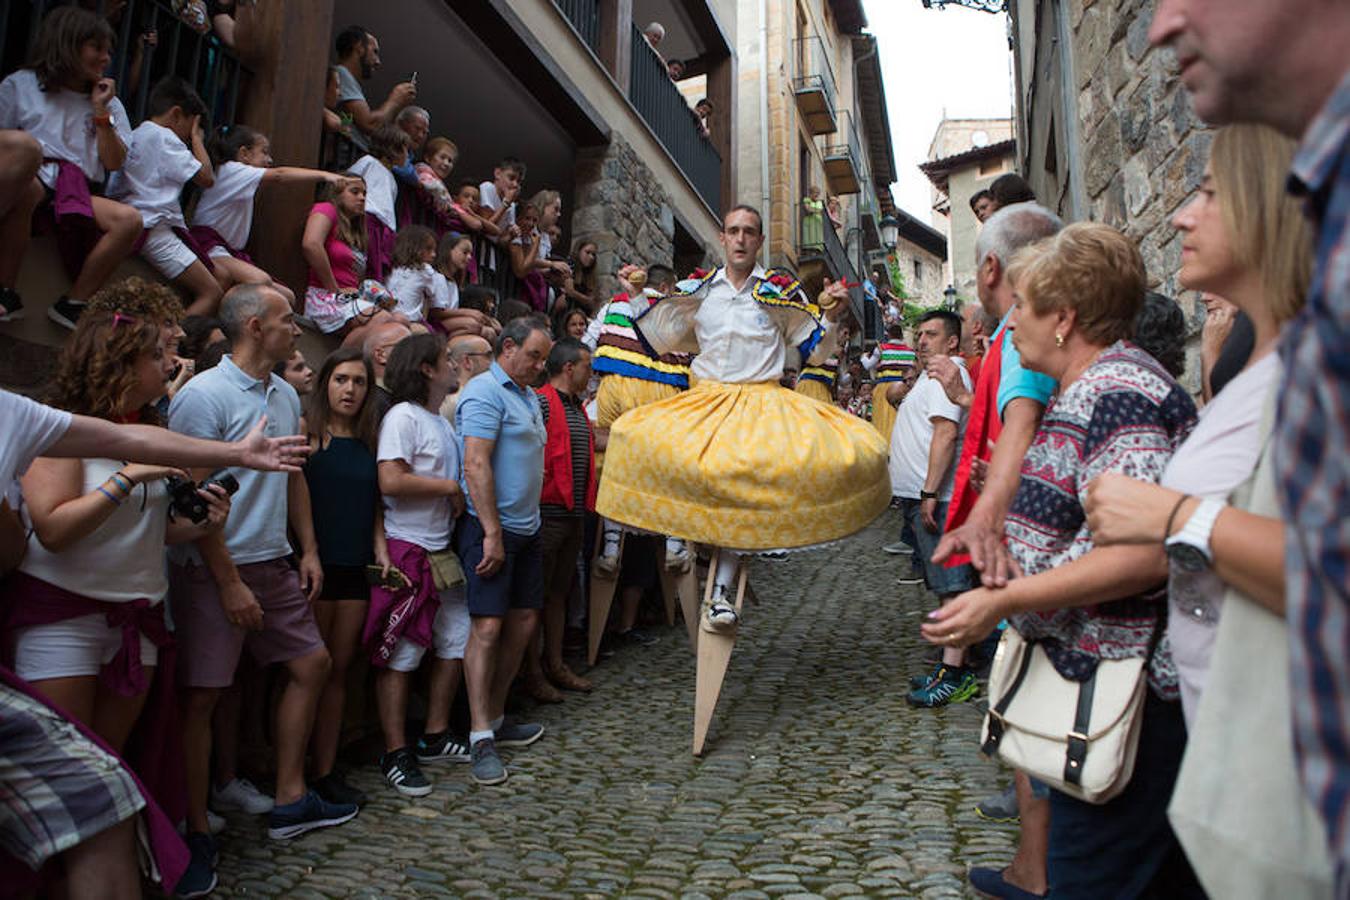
point(85, 623)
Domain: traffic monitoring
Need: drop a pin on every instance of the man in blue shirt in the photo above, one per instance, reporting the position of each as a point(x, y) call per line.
point(502, 439)
point(236, 589)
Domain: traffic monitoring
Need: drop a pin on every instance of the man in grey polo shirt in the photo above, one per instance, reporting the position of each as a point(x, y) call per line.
point(236, 588)
point(502, 437)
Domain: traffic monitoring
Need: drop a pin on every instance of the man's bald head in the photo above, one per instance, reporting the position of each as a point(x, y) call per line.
point(380, 341)
point(470, 355)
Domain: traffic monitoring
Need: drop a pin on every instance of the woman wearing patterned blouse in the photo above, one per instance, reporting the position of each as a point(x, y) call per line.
point(1117, 410)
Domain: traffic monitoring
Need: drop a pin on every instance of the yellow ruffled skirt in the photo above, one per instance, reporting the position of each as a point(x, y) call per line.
point(744, 466)
point(816, 390)
point(883, 414)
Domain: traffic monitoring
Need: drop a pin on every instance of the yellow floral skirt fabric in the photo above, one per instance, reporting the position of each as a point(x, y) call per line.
point(816, 390)
point(744, 466)
point(618, 394)
point(883, 414)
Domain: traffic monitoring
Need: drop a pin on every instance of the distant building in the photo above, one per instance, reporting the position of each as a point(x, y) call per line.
point(965, 156)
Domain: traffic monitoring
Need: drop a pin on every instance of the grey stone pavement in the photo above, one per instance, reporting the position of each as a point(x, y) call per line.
point(818, 779)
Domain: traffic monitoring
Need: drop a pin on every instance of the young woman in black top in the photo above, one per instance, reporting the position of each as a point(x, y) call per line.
point(345, 497)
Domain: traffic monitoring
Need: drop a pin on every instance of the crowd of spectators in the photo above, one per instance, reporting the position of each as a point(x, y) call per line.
point(195, 489)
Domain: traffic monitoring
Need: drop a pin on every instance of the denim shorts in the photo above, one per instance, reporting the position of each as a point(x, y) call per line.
point(518, 584)
point(940, 579)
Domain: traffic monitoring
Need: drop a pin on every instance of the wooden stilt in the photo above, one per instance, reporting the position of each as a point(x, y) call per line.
point(602, 599)
point(670, 591)
point(714, 655)
point(688, 587)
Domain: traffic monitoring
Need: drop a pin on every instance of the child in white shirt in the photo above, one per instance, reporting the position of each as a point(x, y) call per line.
point(223, 219)
point(416, 286)
point(167, 151)
point(73, 113)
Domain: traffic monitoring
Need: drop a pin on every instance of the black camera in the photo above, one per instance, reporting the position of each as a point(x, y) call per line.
point(185, 501)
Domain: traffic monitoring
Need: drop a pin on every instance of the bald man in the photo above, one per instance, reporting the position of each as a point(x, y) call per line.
point(470, 355)
point(379, 343)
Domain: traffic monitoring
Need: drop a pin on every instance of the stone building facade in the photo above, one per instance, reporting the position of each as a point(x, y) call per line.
point(621, 206)
point(1105, 129)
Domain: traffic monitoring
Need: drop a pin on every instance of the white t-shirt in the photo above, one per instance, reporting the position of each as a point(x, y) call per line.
point(912, 435)
point(61, 121)
point(426, 442)
point(488, 196)
point(30, 428)
point(418, 288)
point(227, 205)
point(450, 298)
point(1220, 454)
point(158, 165)
point(381, 190)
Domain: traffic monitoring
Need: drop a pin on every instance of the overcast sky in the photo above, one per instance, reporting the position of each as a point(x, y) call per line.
point(933, 60)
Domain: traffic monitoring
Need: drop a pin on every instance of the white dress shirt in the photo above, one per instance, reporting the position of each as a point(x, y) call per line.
point(738, 339)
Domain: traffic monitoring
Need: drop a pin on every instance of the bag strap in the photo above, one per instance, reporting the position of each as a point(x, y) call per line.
point(1076, 751)
point(990, 746)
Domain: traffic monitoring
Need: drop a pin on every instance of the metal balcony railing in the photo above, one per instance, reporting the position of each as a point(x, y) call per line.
point(585, 18)
point(663, 107)
point(814, 86)
point(212, 69)
point(844, 165)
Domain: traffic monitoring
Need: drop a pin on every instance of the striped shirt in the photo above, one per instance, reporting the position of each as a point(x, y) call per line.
point(895, 362)
point(1312, 437)
point(580, 433)
point(619, 350)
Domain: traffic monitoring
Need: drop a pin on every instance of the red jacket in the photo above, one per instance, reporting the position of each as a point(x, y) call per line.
point(558, 456)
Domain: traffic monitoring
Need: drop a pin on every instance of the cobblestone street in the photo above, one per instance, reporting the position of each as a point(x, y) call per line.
point(818, 779)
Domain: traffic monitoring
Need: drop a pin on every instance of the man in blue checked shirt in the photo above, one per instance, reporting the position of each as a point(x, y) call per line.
point(1287, 65)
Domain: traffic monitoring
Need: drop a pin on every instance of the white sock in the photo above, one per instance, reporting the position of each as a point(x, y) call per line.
point(610, 534)
point(674, 545)
point(476, 736)
point(727, 562)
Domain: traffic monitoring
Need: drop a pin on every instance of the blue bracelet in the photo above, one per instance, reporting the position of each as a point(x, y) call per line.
point(104, 491)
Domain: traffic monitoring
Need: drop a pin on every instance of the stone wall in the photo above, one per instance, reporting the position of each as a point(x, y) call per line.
point(1143, 149)
point(621, 206)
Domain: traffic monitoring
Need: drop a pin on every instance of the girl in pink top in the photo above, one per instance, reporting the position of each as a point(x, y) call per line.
point(339, 299)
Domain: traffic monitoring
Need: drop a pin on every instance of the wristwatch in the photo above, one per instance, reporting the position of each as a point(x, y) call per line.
point(928, 495)
point(1189, 547)
point(105, 119)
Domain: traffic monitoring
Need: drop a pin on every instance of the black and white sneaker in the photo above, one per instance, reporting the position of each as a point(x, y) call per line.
point(11, 305)
point(66, 312)
point(306, 814)
point(400, 770)
point(436, 747)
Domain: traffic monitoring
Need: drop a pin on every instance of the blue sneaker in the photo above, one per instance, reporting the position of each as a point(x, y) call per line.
point(306, 814)
point(518, 734)
point(486, 766)
point(199, 879)
point(951, 686)
point(922, 681)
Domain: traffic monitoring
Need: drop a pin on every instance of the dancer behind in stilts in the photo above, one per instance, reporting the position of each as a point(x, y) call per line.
point(738, 461)
point(631, 376)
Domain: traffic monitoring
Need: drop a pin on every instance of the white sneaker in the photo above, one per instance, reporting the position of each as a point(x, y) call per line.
point(240, 794)
point(899, 548)
point(721, 618)
point(677, 557)
point(214, 824)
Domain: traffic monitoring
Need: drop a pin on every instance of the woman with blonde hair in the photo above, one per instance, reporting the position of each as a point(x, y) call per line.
point(1245, 239)
point(1078, 295)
